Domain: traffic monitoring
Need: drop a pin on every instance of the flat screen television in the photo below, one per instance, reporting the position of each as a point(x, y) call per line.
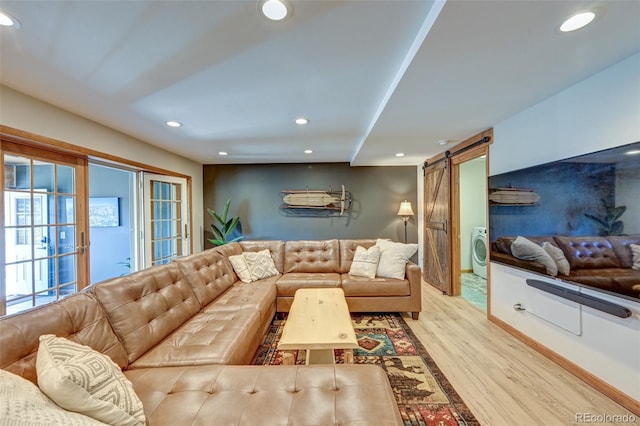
point(583, 213)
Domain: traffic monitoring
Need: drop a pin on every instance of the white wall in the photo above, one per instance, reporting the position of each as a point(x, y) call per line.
point(25, 113)
point(600, 112)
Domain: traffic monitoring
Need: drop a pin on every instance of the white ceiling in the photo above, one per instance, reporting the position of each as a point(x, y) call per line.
point(374, 77)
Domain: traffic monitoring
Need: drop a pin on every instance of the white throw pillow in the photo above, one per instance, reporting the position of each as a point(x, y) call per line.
point(365, 262)
point(260, 264)
point(635, 251)
point(22, 403)
point(241, 268)
point(80, 379)
point(558, 257)
point(394, 258)
point(528, 250)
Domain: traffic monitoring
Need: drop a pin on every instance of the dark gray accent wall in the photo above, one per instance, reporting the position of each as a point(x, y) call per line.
point(255, 193)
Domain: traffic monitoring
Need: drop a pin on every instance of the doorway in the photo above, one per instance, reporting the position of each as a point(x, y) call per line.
point(473, 231)
point(455, 206)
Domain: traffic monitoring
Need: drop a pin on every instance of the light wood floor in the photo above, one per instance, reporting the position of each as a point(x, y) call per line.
point(502, 381)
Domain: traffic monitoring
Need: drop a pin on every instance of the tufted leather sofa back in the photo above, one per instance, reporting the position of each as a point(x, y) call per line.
point(348, 249)
point(146, 306)
point(623, 251)
point(588, 252)
point(79, 318)
point(311, 256)
point(209, 274)
point(276, 248)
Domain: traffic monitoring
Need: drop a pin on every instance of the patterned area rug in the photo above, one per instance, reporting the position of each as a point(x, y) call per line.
point(424, 395)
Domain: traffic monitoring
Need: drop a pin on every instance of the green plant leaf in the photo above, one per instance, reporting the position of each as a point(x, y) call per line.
point(599, 222)
point(216, 242)
point(617, 228)
point(226, 211)
point(617, 212)
point(217, 232)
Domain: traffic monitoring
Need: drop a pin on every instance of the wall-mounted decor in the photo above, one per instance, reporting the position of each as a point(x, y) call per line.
point(513, 196)
point(315, 203)
point(104, 212)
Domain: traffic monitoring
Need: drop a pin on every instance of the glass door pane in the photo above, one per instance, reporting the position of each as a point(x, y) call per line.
point(41, 226)
point(166, 219)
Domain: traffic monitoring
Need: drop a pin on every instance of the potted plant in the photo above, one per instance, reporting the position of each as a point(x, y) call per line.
point(226, 230)
point(610, 223)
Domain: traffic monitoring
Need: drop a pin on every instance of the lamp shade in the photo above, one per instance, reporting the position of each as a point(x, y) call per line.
point(405, 209)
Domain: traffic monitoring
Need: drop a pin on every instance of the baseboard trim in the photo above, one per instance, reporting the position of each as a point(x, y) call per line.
point(620, 397)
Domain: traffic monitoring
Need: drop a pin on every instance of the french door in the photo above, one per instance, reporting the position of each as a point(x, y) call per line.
point(166, 224)
point(45, 248)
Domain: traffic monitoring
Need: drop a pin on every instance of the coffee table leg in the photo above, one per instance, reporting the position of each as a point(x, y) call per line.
point(288, 357)
point(348, 356)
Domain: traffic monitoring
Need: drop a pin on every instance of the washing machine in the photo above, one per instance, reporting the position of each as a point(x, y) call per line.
point(479, 251)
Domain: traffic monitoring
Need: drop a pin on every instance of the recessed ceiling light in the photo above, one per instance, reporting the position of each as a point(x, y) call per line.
point(223, 153)
point(443, 142)
point(308, 151)
point(302, 120)
point(173, 123)
point(275, 10)
point(400, 154)
point(633, 152)
point(7, 20)
point(577, 21)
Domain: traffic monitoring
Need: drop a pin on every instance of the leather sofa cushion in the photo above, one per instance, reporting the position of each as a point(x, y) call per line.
point(620, 280)
point(78, 318)
point(288, 284)
point(348, 250)
point(209, 274)
point(215, 337)
point(588, 252)
point(258, 295)
point(147, 306)
point(229, 249)
point(374, 287)
point(276, 249)
point(285, 395)
point(621, 247)
point(311, 256)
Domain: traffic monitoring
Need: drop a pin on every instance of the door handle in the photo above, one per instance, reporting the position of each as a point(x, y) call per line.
point(82, 247)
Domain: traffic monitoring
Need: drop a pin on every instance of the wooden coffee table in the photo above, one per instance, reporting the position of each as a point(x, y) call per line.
point(318, 322)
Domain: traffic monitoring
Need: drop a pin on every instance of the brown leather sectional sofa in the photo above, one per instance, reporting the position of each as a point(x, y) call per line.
point(183, 332)
point(601, 262)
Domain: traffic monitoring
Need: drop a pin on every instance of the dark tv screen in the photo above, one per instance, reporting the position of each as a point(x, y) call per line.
point(588, 207)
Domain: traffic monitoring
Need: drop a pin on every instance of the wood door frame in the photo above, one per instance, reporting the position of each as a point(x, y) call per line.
point(466, 150)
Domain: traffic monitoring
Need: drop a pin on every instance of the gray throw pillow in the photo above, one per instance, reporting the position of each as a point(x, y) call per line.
point(558, 256)
point(528, 250)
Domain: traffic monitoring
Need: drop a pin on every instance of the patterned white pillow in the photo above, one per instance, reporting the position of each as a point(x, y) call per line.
point(393, 258)
point(635, 251)
point(80, 379)
point(241, 268)
point(365, 262)
point(260, 264)
point(22, 403)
